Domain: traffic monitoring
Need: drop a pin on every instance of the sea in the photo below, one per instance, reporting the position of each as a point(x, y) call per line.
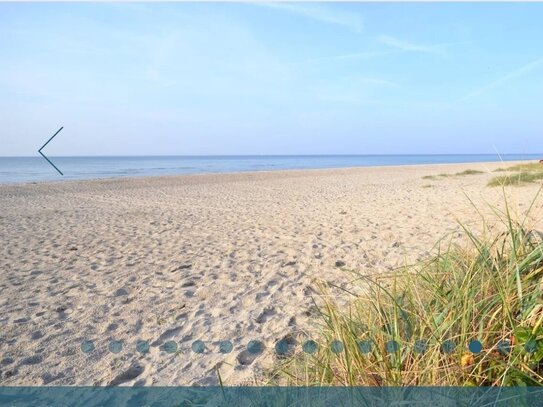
point(37, 169)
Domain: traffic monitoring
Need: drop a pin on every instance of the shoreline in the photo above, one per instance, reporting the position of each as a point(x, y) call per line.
point(252, 173)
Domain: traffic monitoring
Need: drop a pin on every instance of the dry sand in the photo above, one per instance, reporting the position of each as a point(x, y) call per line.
point(209, 257)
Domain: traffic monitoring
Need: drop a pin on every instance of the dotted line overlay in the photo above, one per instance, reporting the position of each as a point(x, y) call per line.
point(284, 347)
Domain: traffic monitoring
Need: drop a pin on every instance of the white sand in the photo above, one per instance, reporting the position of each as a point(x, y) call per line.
point(210, 257)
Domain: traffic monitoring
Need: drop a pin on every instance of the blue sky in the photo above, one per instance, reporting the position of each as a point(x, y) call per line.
point(277, 78)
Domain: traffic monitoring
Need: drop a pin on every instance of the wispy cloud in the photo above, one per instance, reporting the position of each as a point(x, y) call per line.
point(350, 56)
point(437, 49)
point(320, 13)
point(517, 73)
point(394, 46)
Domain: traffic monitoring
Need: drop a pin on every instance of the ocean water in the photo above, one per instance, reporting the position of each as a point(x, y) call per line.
point(34, 169)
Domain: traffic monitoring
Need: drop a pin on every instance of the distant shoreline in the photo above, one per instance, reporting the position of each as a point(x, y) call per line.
point(280, 173)
point(196, 156)
point(36, 169)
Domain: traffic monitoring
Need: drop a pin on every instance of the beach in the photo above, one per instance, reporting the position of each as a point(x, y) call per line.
point(209, 257)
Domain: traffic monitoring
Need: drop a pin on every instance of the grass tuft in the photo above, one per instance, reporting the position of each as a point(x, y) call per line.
point(469, 172)
point(532, 166)
point(516, 179)
point(458, 174)
point(527, 173)
point(489, 291)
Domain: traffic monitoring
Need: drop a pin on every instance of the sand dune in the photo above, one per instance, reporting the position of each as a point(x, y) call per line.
point(172, 260)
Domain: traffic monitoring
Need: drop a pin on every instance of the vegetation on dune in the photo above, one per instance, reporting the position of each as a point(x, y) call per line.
point(516, 179)
point(518, 174)
point(458, 174)
point(434, 177)
point(532, 166)
point(469, 172)
point(471, 315)
point(526, 173)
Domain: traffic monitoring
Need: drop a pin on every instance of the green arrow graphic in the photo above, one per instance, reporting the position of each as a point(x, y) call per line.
point(43, 155)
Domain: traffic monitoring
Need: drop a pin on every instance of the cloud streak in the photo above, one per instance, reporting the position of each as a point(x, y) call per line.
point(321, 14)
point(394, 46)
point(436, 49)
point(517, 73)
point(351, 56)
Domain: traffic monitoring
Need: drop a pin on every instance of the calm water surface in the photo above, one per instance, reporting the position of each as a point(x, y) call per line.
point(32, 169)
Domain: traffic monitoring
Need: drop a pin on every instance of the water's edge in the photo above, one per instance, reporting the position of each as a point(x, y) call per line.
point(36, 169)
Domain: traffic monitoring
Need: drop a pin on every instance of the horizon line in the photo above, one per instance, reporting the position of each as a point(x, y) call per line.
point(268, 155)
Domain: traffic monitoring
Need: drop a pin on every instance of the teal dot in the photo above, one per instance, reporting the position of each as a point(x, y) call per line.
point(530, 346)
point(255, 347)
point(504, 346)
point(365, 346)
point(336, 346)
point(142, 346)
point(225, 347)
point(198, 346)
point(87, 346)
point(169, 347)
point(420, 347)
point(310, 346)
point(115, 346)
point(281, 347)
point(475, 346)
point(448, 346)
point(392, 346)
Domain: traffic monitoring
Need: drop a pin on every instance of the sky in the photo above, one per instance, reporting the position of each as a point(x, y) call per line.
point(271, 78)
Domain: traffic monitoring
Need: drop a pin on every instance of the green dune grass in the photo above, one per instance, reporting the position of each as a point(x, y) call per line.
point(469, 172)
point(435, 177)
point(516, 179)
point(532, 166)
point(490, 291)
point(525, 174)
point(458, 174)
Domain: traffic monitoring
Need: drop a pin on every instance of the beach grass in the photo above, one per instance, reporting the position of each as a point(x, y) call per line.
point(516, 179)
point(531, 166)
point(522, 174)
point(471, 315)
point(436, 177)
point(458, 174)
point(469, 172)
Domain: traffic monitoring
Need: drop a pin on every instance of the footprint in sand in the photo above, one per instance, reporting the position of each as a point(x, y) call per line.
point(36, 335)
point(133, 372)
point(265, 315)
point(245, 358)
point(248, 356)
point(32, 360)
point(166, 335)
point(260, 295)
